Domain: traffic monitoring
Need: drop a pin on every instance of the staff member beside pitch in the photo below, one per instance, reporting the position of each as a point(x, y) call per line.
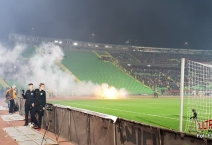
point(39, 105)
point(29, 103)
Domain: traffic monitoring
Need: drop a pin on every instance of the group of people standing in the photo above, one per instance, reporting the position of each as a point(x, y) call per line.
point(35, 104)
point(11, 99)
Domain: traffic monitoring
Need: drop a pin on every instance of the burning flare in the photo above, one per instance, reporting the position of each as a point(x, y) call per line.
point(110, 93)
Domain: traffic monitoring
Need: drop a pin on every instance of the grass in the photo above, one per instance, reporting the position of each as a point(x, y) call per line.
point(87, 67)
point(162, 112)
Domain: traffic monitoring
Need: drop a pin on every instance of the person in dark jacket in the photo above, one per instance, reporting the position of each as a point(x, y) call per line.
point(39, 106)
point(194, 114)
point(29, 103)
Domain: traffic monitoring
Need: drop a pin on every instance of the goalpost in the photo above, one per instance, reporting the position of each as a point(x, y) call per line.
point(197, 92)
point(182, 93)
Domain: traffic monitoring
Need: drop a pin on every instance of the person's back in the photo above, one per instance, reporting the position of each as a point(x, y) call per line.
point(7, 94)
point(12, 96)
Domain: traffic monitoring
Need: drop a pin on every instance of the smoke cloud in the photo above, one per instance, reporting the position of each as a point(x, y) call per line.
point(41, 67)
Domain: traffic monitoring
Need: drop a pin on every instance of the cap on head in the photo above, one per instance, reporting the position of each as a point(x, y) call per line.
point(13, 86)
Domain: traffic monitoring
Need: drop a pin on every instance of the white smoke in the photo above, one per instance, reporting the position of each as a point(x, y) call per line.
point(9, 60)
point(41, 68)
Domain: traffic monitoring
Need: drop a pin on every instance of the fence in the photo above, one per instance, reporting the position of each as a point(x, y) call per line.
point(21, 103)
point(84, 127)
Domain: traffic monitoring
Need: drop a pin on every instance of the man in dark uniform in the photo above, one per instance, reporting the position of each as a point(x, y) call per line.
point(194, 119)
point(29, 103)
point(194, 114)
point(39, 102)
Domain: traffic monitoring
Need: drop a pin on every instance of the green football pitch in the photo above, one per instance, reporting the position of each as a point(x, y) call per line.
point(162, 112)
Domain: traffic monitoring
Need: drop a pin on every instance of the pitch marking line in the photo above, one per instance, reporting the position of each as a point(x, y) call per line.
point(128, 111)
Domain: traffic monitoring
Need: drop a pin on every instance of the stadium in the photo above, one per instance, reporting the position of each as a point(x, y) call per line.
point(121, 94)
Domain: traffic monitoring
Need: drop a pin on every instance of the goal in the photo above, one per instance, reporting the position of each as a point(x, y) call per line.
point(198, 95)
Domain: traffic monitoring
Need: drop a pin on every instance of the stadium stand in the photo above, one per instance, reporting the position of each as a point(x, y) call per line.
point(162, 73)
point(136, 56)
point(86, 66)
point(159, 71)
point(124, 57)
point(167, 58)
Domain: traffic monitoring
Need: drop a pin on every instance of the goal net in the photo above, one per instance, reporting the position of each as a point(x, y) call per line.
point(199, 91)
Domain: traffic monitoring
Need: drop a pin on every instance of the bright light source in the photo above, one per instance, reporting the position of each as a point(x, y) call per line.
point(129, 64)
point(75, 43)
point(56, 41)
point(110, 93)
point(106, 46)
point(148, 65)
point(60, 42)
point(96, 45)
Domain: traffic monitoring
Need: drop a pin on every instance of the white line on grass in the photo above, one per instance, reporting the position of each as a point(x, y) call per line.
point(127, 111)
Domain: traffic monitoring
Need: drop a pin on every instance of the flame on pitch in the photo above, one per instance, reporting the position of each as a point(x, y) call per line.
point(110, 93)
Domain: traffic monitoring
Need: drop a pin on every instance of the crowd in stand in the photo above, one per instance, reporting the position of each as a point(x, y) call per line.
point(157, 58)
point(153, 58)
point(166, 78)
point(167, 58)
point(162, 78)
point(123, 56)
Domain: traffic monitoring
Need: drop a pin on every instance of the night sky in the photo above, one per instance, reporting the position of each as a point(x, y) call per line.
point(158, 23)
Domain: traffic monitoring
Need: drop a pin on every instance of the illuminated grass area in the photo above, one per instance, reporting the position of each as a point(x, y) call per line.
point(162, 112)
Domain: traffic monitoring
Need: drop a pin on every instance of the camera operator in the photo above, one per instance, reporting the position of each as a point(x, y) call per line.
point(29, 103)
point(39, 106)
